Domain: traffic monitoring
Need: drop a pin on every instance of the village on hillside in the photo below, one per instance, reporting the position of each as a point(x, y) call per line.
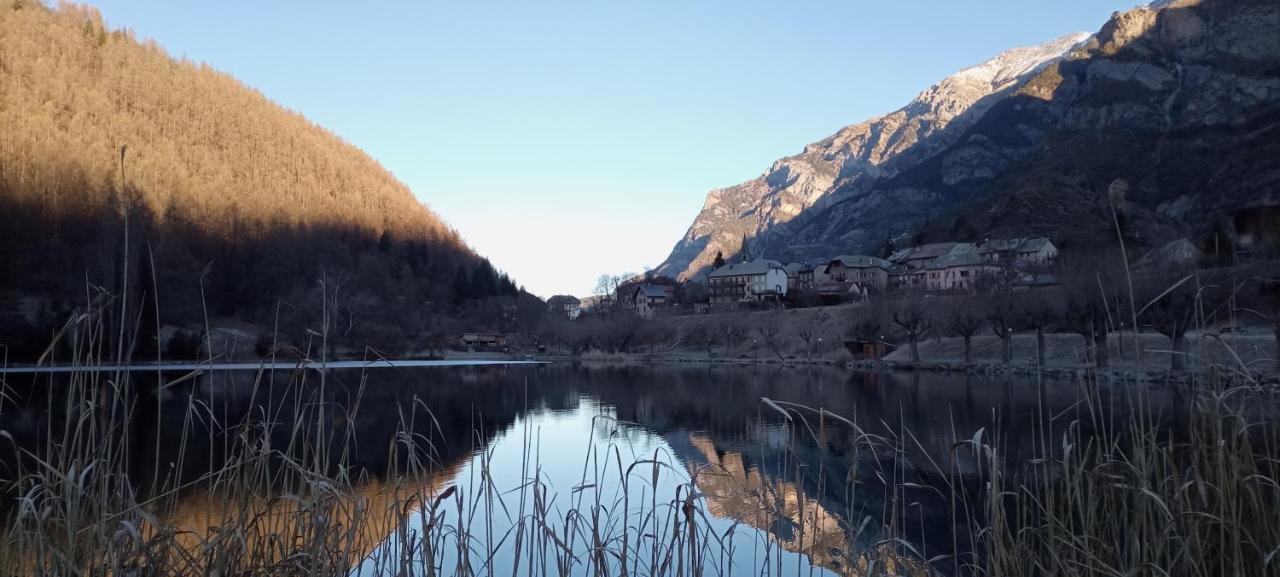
point(974, 302)
point(946, 267)
point(941, 268)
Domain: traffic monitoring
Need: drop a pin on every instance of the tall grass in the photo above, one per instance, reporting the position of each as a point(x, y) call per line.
point(280, 484)
point(1134, 501)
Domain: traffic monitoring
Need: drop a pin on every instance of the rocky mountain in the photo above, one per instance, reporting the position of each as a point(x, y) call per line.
point(1179, 99)
point(873, 148)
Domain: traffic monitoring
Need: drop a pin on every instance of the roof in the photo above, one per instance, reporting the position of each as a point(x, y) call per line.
point(746, 268)
point(561, 300)
point(959, 259)
point(861, 261)
point(653, 291)
point(1178, 252)
point(1032, 244)
point(1000, 245)
point(794, 268)
point(933, 250)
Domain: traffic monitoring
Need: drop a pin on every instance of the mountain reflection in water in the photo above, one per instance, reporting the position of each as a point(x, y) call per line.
point(799, 492)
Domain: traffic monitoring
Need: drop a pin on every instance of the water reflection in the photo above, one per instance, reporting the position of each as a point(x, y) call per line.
point(803, 492)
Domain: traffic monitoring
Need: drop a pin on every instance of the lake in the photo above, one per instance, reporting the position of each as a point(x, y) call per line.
point(751, 470)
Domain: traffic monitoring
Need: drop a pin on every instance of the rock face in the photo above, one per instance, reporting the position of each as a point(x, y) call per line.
point(1180, 98)
point(799, 183)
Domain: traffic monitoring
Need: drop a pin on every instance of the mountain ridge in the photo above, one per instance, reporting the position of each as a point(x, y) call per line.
point(1178, 98)
point(802, 182)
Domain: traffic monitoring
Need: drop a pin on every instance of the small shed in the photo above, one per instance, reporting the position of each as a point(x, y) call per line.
point(482, 340)
point(869, 350)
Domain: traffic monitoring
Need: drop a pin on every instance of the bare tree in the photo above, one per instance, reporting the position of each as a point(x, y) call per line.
point(1086, 307)
point(909, 314)
point(606, 287)
point(1001, 314)
point(806, 336)
point(769, 334)
point(1085, 313)
point(1170, 305)
point(730, 333)
point(1039, 311)
point(963, 320)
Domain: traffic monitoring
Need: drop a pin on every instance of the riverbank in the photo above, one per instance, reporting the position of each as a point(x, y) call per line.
point(263, 365)
point(817, 336)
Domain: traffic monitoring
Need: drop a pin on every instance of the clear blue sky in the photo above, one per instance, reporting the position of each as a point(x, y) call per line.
point(567, 139)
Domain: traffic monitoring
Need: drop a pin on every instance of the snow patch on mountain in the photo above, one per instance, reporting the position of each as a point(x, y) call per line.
point(1011, 65)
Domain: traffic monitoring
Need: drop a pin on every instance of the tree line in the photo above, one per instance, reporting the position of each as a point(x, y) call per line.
point(1097, 298)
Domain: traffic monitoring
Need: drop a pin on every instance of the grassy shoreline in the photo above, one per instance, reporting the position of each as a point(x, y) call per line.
point(294, 501)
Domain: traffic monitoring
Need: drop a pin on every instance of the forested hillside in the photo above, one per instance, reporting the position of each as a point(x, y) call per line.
point(125, 173)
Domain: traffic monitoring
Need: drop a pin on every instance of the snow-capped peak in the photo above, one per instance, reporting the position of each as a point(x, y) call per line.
point(1012, 64)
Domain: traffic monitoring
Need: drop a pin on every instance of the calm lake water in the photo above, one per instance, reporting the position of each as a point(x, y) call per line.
point(801, 493)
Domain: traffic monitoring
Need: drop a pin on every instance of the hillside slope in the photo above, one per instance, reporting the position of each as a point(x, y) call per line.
point(74, 92)
point(221, 200)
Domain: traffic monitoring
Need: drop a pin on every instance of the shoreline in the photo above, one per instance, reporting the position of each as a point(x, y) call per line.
point(1120, 372)
point(265, 365)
